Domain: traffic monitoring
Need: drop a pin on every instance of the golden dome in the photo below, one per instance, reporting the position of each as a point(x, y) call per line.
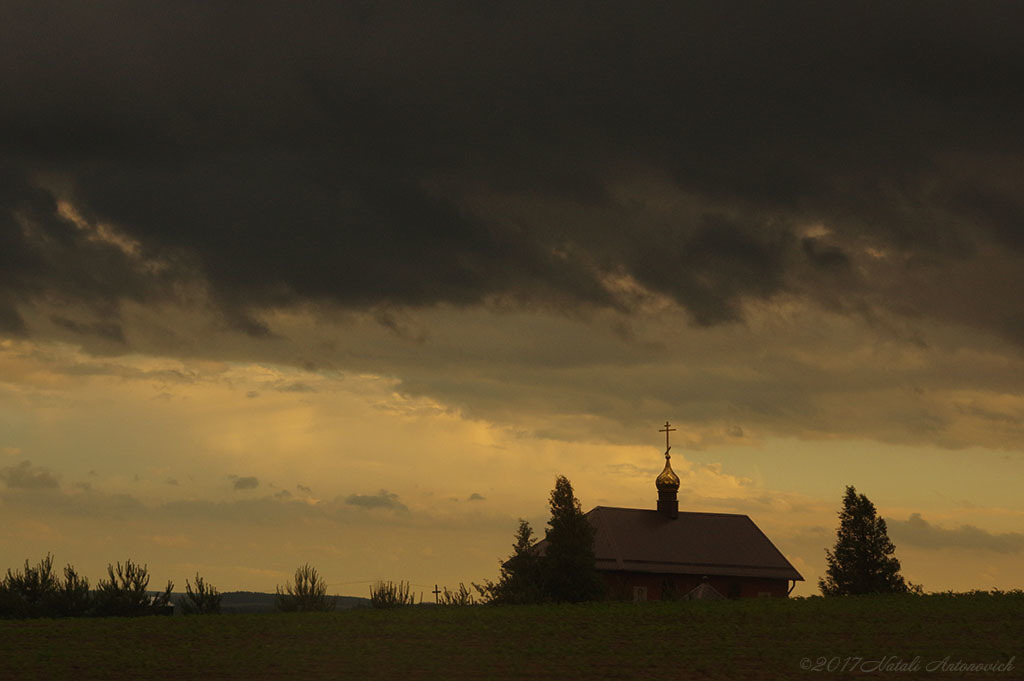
point(668, 480)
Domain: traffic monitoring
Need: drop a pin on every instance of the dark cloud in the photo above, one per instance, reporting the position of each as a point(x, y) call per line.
point(45, 254)
point(11, 323)
point(476, 497)
point(382, 499)
point(396, 154)
point(824, 257)
point(917, 531)
point(248, 482)
point(109, 330)
point(26, 476)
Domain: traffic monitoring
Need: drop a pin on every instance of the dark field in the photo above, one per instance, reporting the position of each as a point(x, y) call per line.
point(734, 640)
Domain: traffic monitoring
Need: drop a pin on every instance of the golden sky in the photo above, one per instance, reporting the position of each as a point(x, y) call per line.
point(352, 284)
point(242, 470)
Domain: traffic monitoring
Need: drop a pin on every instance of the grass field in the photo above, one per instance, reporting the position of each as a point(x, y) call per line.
point(734, 640)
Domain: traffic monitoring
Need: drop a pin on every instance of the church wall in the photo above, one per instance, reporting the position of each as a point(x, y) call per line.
point(628, 586)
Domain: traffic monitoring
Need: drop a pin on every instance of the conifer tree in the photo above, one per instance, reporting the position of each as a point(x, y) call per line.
point(569, 568)
point(862, 561)
point(521, 579)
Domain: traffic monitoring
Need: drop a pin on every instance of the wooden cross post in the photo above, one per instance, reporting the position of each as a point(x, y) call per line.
point(436, 592)
point(666, 430)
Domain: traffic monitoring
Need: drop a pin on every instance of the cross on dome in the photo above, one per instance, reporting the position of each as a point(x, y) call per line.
point(668, 481)
point(666, 430)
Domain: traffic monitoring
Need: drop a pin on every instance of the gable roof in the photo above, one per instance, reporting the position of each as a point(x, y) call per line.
point(720, 544)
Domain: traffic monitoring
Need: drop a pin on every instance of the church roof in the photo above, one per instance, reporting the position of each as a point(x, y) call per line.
point(720, 544)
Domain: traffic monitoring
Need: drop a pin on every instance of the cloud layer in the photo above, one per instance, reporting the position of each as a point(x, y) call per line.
point(231, 241)
point(917, 531)
point(394, 155)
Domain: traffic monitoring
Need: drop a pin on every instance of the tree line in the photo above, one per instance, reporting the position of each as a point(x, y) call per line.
point(39, 591)
point(862, 561)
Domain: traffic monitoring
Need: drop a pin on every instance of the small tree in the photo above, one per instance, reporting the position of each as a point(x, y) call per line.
point(72, 598)
point(570, 573)
point(521, 580)
point(862, 561)
point(124, 592)
point(308, 595)
point(30, 593)
point(203, 600)
point(38, 592)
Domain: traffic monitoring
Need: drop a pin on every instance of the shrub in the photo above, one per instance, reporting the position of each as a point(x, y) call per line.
point(460, 597)
point(124, 593)
point(29, 593)
point(72, 598)
point(37, 592)
point(203, 600)
point(308, 595)
point(390, 595)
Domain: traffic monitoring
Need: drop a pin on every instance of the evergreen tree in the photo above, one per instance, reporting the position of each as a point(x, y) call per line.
point(569, 568)
point(521, 579)
point(862, 561)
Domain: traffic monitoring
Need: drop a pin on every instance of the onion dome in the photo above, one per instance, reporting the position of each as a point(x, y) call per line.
point(668, 480)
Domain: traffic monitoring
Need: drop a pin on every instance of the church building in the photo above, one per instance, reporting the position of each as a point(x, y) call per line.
point(662, 553)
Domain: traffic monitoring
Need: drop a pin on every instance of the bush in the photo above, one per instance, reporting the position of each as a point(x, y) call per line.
point(391, 595)
point(123, 593)
point(37, 592)
point(30, 593)
point(460, 597)
point(308, 595)
point(203, 600)
point(73, 598)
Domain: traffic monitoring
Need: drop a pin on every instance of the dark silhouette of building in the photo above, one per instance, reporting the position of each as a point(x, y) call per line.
point(662, 553)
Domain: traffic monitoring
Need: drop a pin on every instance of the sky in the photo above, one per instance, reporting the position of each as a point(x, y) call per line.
point(350, 284)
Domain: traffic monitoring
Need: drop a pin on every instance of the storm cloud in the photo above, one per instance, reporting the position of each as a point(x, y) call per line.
point(863, 156)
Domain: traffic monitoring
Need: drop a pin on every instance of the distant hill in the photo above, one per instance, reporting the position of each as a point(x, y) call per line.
point(237, 602)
